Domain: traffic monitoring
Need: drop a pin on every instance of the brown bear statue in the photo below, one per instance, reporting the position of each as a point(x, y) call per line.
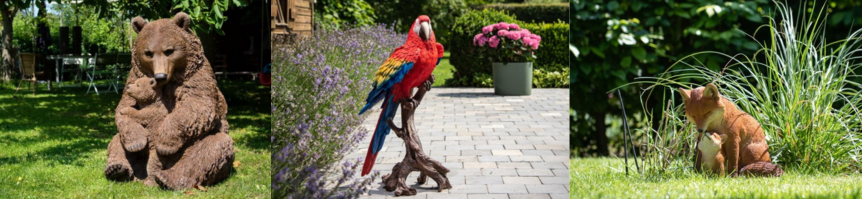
point(190, 146)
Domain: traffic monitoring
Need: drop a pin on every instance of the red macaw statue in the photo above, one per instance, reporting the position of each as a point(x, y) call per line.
point(407, 67)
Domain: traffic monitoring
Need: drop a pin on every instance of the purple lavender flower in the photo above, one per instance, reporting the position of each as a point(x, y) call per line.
point(320, 87)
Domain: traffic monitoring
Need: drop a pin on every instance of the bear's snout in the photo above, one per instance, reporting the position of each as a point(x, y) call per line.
point(160, 77)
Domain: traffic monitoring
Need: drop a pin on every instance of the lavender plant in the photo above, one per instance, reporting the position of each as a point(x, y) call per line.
point(318, 89)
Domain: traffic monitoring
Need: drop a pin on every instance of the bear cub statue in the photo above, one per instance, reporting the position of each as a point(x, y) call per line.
point(149, 109)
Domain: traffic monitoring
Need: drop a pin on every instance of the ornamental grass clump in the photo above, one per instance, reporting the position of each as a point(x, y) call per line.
point(507, 43)
point(803, 90)
point(318, 89)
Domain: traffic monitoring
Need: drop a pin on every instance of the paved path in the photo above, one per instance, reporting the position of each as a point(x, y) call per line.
point(497, 147)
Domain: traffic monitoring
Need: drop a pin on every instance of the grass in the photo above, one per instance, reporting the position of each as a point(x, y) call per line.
point(596, 178)
point(443, 71)
point(54, 145)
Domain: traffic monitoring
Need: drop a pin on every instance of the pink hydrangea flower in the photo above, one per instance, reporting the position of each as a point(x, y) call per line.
point(487, 29)
point(525, 33)
point(493, 41)
point(501, 25)
point(502, 33)
point(527, 41)
point(536, 37)
point(513, 26)
point(513, 35)
point(479, 39)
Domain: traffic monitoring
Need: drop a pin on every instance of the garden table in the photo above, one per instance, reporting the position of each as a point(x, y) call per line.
point(61, 66)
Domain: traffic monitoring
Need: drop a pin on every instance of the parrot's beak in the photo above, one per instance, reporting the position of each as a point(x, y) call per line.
point(425, 31)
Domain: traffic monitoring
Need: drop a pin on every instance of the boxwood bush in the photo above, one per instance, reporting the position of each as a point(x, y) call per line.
point(471, 70)
point(530, 12)
point(463, 55)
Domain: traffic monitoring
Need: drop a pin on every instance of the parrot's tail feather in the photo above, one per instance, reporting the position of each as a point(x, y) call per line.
point(369, 162)
point(374, 96)
point(365, 108)
point(381, 131)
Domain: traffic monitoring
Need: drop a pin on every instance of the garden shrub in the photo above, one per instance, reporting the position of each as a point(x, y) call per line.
point(534, 12)
point(403, 13)
point(320, 85)
point(551, 79)
point(551, 56)
point(463, 55)
point(336, 13)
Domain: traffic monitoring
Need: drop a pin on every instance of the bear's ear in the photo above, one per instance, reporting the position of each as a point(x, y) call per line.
point(684, 93)
point(711, 91)
point(138, 24)
point(182, 20)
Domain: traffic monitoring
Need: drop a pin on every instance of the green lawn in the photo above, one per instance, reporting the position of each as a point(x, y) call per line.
point(443, 71)
point(596, 178)
point(52, 145)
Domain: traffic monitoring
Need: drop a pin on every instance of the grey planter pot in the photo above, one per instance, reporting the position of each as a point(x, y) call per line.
point(512, 79)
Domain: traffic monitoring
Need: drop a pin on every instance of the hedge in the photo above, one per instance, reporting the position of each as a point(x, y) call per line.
point(470, 70)
point(462, 56)
point(546, 12)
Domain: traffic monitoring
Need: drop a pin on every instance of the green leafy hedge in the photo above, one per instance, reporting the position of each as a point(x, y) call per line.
point(471, 70)
point(463, 56)
point(552, 53)
point(545, 12)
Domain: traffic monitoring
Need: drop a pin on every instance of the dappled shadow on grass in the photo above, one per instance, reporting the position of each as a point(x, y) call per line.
point(56, 125)
point(249, 109)
point(62, 124)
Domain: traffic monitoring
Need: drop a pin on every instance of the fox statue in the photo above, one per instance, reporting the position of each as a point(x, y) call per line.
point(745, 147)
point(710, 146)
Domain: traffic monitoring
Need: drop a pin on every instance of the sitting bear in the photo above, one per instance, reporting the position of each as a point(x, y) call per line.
point(191, 143)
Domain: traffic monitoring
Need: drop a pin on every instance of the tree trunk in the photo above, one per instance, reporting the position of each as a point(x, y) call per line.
point(599, 133)
point(415, 159)
point(9, 53)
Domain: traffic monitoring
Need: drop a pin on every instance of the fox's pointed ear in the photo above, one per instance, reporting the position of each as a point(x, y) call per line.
point(723, 137)
point(711, 91)
point(684, 93)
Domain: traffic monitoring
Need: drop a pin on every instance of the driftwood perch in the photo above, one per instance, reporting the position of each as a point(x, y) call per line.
point(415, 159)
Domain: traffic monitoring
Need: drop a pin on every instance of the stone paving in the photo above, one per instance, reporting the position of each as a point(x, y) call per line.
point(497, 147)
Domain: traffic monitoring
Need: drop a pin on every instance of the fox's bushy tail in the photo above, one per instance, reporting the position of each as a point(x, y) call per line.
point(765, 169)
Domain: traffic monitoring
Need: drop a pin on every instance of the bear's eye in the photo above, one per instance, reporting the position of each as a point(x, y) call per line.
point(169, 52)
point(149, 54)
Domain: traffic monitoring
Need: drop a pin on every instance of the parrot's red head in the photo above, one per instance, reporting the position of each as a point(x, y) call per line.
point(422, 29)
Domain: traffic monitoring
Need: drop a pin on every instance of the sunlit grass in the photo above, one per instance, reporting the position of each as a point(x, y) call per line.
point(443, 71)
point(53, 145)
point(604, 178)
